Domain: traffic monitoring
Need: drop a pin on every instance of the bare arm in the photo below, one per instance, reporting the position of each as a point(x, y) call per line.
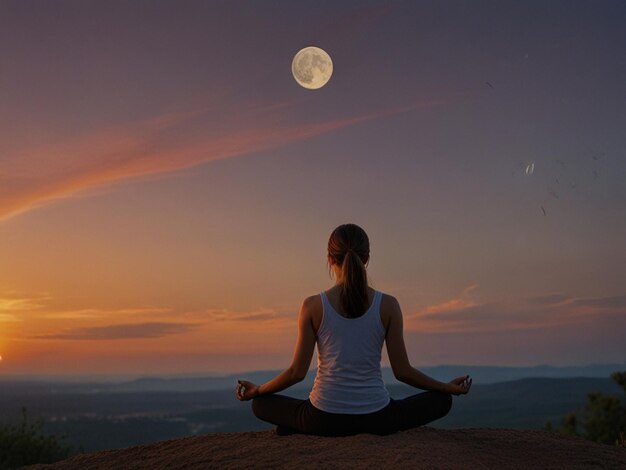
point(300, 363)
point(402, 369)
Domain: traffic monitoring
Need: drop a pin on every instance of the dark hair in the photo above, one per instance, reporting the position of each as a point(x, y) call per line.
point(349, 247)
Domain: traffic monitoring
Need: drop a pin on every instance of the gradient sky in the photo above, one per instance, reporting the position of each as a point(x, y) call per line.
point(167, 189)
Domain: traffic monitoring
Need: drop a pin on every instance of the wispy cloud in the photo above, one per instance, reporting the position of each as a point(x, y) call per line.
point(14, 305)
point(7, 317)
point(168, 143)
point(618, 301)
point(471, 315)
point(549, 299)
point(609, 302)
point(19, 304)
point(261, 315)
point(86, 313)
point(123, 331)
point(460, 303)
point(489, 317)
point(468, 290)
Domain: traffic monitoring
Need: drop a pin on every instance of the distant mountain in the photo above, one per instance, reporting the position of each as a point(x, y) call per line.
point(480, 375)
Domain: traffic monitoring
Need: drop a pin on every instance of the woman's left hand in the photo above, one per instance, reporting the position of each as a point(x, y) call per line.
point(460, 385)
point(246, 390)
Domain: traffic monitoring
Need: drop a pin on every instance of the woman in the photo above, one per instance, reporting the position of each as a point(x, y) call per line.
point(350, 322)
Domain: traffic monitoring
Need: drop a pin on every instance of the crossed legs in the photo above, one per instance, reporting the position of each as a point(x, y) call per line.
point(295, 415)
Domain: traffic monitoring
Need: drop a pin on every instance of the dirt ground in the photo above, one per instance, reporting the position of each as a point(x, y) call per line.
point(424, 447)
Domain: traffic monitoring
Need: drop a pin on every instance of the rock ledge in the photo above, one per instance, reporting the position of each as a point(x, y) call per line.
point(423, 447)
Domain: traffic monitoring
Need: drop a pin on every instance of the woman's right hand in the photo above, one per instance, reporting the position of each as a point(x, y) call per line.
point(246, 390)
point(460, 385)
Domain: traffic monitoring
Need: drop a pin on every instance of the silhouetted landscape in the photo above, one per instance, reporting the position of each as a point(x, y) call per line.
point(105, 415)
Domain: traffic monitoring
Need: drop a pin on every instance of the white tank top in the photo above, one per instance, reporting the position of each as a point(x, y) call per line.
point(348, 377)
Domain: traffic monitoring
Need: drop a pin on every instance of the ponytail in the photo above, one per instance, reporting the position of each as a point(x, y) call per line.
point(354, 286)
point(348, 247)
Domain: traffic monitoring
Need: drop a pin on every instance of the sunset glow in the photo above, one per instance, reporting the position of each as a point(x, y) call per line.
point(166, 196)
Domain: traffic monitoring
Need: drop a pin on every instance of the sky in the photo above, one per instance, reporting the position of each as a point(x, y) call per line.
point(167, 189)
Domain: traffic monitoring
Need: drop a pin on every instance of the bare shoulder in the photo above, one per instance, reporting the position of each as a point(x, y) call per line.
point(389, 309)
point(389, 303)
point(311, 303)
point(312, 309)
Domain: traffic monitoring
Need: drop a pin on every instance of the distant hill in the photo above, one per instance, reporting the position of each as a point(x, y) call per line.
point(112, 419)
point(480, 374)
point(525, 403)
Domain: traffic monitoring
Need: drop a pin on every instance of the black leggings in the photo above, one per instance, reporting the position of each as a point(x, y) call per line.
point(292, 415)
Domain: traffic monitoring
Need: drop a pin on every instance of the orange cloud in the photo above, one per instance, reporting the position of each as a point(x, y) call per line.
point(31, 319)
point(163, 144)
point(122, 331)
point(17, 304)
point(469, 315)
point(7, 317)
point(85, 313)
point(468, 290)
point(456, 304)
point(262, 317)
point(14, 305)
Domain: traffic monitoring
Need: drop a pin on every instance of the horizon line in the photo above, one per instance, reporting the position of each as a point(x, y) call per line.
point(218, 375)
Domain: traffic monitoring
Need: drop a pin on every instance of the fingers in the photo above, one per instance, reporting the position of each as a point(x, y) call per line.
point(460, 380)
point(467, 383)
point(464, 384)
point(245, 390)
point(240, 390)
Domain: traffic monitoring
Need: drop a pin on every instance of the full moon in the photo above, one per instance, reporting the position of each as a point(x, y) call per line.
point(312, 67)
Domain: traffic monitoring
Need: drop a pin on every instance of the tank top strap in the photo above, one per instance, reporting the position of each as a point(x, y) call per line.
point(378, 295)
point(325, 301)
point(375, 310)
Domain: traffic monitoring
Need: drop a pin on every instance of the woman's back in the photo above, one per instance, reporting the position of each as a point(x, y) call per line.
point(349, 379)
point(349, 323)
